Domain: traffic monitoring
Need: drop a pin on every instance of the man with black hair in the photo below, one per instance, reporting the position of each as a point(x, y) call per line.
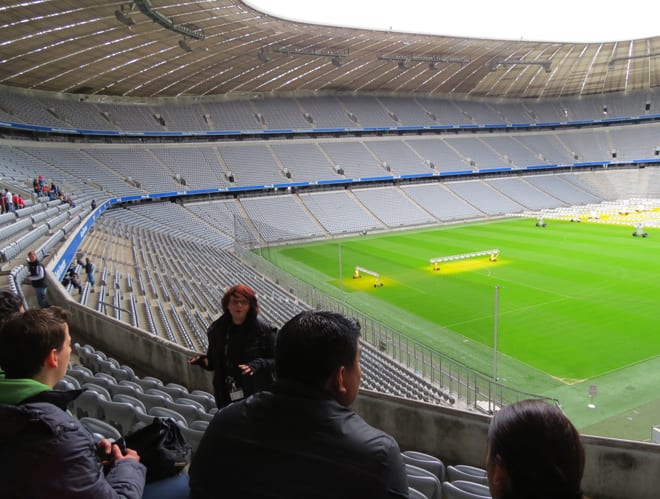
point(44, 451)
point(301, 440)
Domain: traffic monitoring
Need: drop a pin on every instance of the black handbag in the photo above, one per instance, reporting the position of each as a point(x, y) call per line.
point(162, 448)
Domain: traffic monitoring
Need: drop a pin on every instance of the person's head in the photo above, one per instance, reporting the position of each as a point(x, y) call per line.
point(36, 344)
point(10, 304)
point(321, 349)
point(534, 452)
point(32, 256)
point(240, 302)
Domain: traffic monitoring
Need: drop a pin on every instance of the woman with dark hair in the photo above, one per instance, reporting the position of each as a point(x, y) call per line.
point(534, 452)
point(241, 348)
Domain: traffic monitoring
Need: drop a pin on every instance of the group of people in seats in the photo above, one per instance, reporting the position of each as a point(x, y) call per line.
point(290, 434)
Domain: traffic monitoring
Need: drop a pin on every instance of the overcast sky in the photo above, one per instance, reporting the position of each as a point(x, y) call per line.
point(549, 20)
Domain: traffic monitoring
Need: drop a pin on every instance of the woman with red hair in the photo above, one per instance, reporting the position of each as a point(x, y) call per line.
point(241, 348)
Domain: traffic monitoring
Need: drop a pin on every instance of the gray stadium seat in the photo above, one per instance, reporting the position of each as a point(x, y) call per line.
point(473, 487)
point(99, 427)
point(121, 415)
point(465, 472)
point(451, 491)
point(164, 412)
point(424, 481)
point(425, 461)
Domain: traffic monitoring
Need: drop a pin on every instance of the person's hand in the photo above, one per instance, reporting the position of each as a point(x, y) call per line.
point(130, 454)
point(199, 360)
point(245, 370)
point(104, 447)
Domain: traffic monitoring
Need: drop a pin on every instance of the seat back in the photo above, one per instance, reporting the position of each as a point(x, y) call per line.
point(459, 472)
point(415, 494)
point(151, 400)
point(101, 390)
point(451, 491)
point(87, 405)
point(130, 399)
point(100, 427)
point(120, 415)
point(189, 412)
point(164, 412)
point(155, 391)
point(424, 481)
point(475, 488)
point(426, 461)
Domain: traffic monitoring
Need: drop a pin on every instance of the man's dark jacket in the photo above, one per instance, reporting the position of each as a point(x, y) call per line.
point(46, 453)
point(295, 442)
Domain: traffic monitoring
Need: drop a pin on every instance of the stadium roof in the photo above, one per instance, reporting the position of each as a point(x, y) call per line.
point(164, 48)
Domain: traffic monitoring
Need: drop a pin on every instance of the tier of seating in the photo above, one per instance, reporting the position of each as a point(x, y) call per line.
point(353, 111)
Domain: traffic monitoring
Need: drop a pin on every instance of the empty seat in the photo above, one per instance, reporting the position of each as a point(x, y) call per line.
point(164, 412)
point(155, 391)
point(415, 494)
point(81, 373)
point(121, 415)
point(103, 391)
point(67, 383)
point(151, 400)
point(189, 412)
point(473, 487)
point(424, 481)
point(204, 397)
point(129, 399)
point(175, 391)
point(451, 491)
point(87, 405)
point(466, 472)
point(125, 389)
point(188, 401)
point(146, 383)
point(426, 461)
point(99, 427)
point(121, 373)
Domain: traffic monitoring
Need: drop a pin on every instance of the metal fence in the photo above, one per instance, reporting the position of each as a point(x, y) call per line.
point(471, 387)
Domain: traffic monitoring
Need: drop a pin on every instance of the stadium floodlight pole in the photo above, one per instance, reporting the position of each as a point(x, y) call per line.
point(497, 299)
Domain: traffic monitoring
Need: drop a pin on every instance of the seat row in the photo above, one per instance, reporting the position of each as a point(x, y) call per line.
point(428, 478)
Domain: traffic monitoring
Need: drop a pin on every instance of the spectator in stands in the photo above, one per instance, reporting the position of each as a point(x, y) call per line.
point(93, 204)
point(3, 203)
point(241, 348)
point(300, 439)
point(89, 270)
point(534, 451)
point(9, 201)
point(20, 202)
point(10, 304)
point(44, 451)
point(38, 279)
point(71, 277)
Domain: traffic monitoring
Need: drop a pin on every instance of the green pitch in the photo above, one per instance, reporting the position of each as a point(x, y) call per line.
point(576, 300)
